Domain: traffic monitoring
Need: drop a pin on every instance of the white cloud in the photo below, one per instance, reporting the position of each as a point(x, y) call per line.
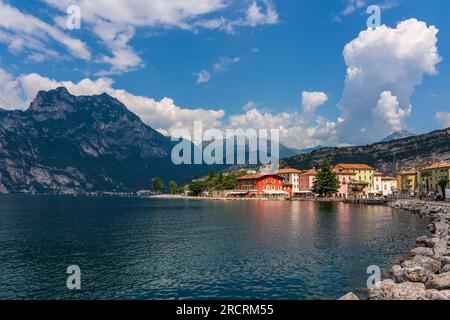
point(257, 15)
point(295, 130)
point(20, 30)
point(203, 77)
point(443, 118)
point(379, 60)
point(115, 22)
point(9, 91)
point(388, 111)
point(224, 63)
point(313, 99)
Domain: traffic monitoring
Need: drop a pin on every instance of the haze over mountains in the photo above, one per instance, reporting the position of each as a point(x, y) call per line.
point(66, 143)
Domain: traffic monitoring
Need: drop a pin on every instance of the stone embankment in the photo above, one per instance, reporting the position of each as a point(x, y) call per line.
point(425, 273)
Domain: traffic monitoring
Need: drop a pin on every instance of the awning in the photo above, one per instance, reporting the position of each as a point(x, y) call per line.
point(275, 192)
point(237, 192)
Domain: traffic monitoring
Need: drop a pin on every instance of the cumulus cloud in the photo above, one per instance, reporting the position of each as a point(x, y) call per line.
point(20, 31)
point(384, 66)
point(116, 22)
point(296, 131)
point(389, 111)
point(313, 99)
point(443, 118)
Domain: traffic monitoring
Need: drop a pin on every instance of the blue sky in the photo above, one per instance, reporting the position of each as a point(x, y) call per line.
point(258, 58)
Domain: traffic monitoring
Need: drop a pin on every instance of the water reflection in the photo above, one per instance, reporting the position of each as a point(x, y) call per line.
point(144, 249)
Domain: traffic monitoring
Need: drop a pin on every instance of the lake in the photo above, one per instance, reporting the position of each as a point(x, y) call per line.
point(179, 249)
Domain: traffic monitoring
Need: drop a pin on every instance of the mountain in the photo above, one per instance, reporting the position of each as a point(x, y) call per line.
point(398, 135)
point(89, 143)
point(387, 157)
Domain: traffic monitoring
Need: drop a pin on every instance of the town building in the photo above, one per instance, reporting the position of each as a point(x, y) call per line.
point(345, 180)
point(388, 185)
point(407, 180)
point(364, 177)
point(307, 179)
point(291, 180)
point(429, 176)
point(259, 186)
point(377, 186)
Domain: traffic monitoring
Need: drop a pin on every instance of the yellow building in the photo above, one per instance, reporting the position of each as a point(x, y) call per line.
point(364, 174)
point(407, 180)
point(429, 176)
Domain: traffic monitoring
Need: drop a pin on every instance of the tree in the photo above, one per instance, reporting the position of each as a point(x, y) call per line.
point(173, 187)
point(443, 185)
point(327, 182)
point(198, 187)
point(212, 175)
point(158, 184)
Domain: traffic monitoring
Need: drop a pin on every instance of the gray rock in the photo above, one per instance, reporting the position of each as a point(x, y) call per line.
point(398, 273)
point(437, 295)
point(440, 282)
point(445, 261)
point(422, 240)
point(428, 263)
point(416, 274)
point(445, 268)
point(349, 296)
point(427, 252)
point(389, 290)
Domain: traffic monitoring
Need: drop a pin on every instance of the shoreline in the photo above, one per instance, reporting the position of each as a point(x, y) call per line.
point(425, 273)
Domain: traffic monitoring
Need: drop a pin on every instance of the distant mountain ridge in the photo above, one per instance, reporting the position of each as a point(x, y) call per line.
point(398, 135)
point(387, 157)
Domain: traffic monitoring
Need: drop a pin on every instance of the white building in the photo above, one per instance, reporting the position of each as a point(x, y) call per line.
point(389, 185)
point(376, 189)
point(291, 178)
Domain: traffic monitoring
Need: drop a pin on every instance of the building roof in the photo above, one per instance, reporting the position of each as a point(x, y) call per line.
point(386, 178)
point(258, 176)
point(378, 174)
point(438, 165)
point(408, 171)
point(289, 171)
point(355, 166)
point(311, 172)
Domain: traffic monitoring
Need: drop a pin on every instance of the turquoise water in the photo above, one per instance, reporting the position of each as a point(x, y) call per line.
point(177, 249)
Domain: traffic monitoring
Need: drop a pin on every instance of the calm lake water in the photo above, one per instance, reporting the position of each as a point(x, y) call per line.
point(162, 249)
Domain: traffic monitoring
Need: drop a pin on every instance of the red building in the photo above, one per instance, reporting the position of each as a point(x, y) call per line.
point(260, 185)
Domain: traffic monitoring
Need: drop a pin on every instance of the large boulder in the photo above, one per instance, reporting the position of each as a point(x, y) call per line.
point(389, 290)
point(416, 274)
point(427, 252)
point(440, 282)
point(432, 265)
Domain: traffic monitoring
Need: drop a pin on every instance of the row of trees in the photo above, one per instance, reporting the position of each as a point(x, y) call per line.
point(158, 185)
point(215, 181)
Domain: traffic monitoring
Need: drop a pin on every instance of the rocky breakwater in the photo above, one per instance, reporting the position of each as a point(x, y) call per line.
point(425, 273)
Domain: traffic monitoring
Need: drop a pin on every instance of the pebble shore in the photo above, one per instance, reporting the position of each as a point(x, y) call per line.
point(425, 273)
